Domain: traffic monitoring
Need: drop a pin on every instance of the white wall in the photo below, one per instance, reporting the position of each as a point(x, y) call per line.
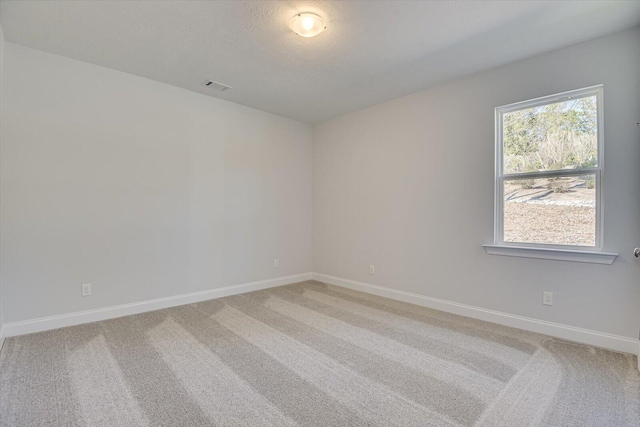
point(1, 68)
point(142, 189)
point(146, 190)
point(408, 186)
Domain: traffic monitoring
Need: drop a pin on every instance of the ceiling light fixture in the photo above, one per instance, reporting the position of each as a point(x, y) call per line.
point(307, 24)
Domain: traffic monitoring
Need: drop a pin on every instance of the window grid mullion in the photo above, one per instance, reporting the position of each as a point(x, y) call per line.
point(548, 174)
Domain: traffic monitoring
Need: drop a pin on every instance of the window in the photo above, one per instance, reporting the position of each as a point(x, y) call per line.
point(549, 172)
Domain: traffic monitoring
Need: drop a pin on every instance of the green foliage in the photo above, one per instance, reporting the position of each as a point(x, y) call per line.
point(551, 137)
point(558, 187)
point(590, 183)
point(527, 184)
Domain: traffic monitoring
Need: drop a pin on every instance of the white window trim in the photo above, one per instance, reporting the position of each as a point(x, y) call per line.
point(593, 254)
point(552, 254)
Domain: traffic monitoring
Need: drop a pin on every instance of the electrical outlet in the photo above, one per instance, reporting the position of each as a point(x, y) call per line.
point(276, 263)
point(86, 289)
point(547, 298)
point(372, 269)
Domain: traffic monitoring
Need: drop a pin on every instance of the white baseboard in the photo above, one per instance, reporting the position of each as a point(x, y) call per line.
point(571, 333)
point(12, 329)
point(585, 336)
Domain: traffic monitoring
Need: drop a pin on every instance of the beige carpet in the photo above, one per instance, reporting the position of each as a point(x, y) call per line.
point(310, 354)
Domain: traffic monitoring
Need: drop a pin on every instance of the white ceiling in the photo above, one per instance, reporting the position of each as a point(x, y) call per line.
point(372, 51)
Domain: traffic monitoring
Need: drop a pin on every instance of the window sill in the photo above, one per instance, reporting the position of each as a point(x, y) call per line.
point(553, 254)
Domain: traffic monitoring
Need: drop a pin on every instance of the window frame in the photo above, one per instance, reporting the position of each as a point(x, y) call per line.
point(500, 176)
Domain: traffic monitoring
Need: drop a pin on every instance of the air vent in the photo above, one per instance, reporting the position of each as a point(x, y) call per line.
point(218, 87)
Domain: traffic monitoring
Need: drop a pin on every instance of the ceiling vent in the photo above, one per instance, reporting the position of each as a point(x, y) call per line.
point(218, 87)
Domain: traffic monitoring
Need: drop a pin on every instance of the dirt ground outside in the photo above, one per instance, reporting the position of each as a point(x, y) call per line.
point(560, 212)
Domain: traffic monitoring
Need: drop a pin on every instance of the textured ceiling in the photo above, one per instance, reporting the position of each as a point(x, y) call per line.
point(372, 51)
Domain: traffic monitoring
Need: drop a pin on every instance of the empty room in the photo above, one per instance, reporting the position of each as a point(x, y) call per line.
point(319, 213)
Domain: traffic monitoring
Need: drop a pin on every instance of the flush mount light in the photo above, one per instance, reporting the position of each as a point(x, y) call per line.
point(307, 24)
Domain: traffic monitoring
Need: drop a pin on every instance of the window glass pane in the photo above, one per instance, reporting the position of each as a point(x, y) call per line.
point(562, 135)
point(557, 211)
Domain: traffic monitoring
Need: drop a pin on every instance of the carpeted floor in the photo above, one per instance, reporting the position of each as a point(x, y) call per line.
point(310, 354)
